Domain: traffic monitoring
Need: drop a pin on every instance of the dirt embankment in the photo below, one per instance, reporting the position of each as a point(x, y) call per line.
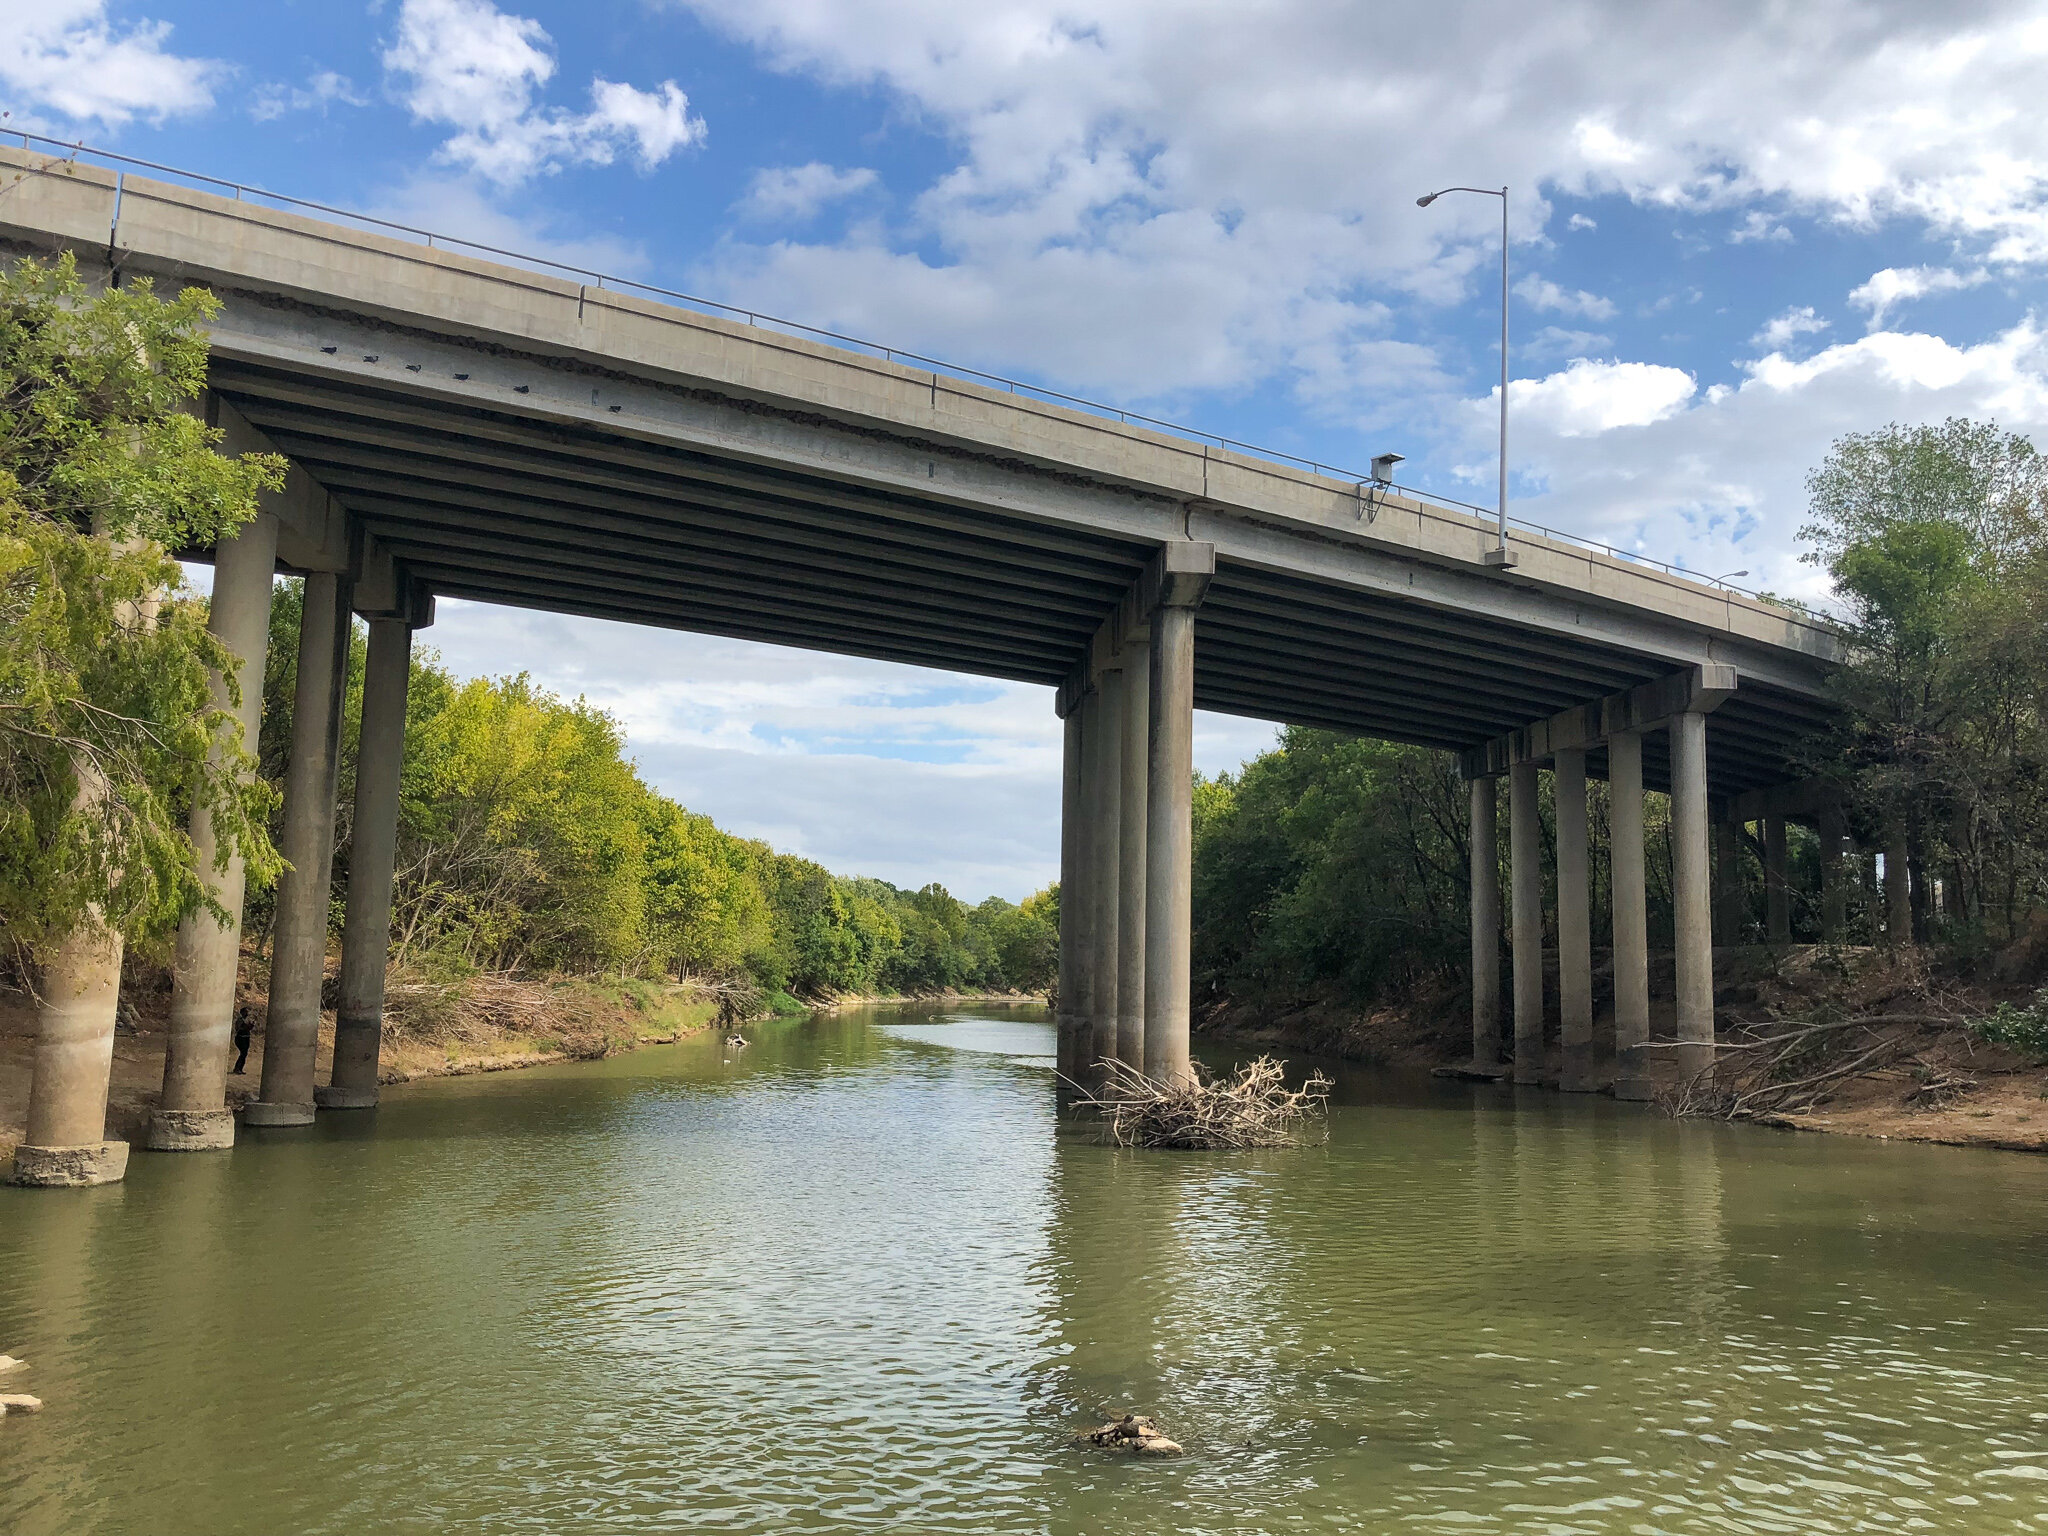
point(432, 1029)
point(1892, 1055)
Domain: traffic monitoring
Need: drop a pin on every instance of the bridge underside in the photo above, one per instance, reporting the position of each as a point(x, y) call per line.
point(501, 508)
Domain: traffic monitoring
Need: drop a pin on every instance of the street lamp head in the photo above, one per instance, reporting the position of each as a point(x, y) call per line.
point(1424, 202)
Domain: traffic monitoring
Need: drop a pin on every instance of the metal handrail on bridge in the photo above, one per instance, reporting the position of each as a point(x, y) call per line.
point(887, 353)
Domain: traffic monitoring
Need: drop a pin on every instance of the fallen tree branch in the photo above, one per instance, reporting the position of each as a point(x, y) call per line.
point(1253, 1107)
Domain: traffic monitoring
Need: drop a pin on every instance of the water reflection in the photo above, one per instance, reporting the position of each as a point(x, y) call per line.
point(859, 1278)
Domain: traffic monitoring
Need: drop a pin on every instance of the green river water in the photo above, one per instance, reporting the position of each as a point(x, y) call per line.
point(860, 1277)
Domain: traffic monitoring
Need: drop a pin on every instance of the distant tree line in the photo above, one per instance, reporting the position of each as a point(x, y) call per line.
point(527, 840)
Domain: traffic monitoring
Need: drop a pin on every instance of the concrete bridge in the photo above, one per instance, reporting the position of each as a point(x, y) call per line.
point(479, 430)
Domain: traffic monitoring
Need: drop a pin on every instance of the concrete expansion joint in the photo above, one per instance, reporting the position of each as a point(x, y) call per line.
point(98, 1162)
point(190, 1130)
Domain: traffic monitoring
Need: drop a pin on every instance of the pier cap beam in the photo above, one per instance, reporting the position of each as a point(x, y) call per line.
point(1696, 691)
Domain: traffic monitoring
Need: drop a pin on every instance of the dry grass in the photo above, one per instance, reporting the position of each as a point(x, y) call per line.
point(1252, 1107)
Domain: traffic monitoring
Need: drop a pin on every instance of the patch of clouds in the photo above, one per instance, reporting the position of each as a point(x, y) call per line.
point(323, 90)
point(1581, 221)
point(1718, 480)
point(796, 193)
point(1758, 225)
point(1894, 286)
point(67, 58)
point(1781, 331)
point(466, 65)
point(1544, 296)
point(1560, 341)
point(1589, 397)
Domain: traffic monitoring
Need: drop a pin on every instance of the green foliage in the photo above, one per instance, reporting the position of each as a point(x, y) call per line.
point(1330, 860)
point(2024, 1029)
point(109, 734)
point(1937, 540)
point(528, 841)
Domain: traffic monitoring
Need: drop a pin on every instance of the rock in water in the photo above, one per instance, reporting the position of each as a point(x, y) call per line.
point(8, 1362)
point(20, 1402)
point(1133, 1434)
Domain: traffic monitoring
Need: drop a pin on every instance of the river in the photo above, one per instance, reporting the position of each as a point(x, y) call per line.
point(858, 1277)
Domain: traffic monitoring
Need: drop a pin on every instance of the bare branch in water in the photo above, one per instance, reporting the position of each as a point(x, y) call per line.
point(1252, 1107)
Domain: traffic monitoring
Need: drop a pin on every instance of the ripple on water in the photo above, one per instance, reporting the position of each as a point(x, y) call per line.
point(859, 1279)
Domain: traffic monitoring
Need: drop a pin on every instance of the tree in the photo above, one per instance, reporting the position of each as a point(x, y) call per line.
point(108, 734)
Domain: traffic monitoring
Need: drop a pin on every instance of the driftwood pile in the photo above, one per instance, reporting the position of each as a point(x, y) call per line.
point(1252, 1107)
point(1760, 1071)
point(1131, 1435)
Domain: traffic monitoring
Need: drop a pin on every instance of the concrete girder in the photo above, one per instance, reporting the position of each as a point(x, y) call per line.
point(1692, 692)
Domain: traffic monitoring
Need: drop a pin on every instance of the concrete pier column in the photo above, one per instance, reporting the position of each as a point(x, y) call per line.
point(1898, 893)
point(1777, 885)
point(1574, 923)
point(1072, 1022)
point(1631, 916)
point(1692, 897)
point(1132, 826)
point(1834, 872)
point(1525, 895)
point(366, 926)
point(1485, 925)
point(67, 1098)
point(1728, 906)
point(1169, 843)
point(1106, 794)
point(192, 1114)
point(298, 947)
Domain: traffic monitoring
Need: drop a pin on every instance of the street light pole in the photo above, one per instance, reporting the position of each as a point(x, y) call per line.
point(1499, 554)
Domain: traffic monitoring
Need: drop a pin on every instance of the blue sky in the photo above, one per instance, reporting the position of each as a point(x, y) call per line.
point(1738, 231)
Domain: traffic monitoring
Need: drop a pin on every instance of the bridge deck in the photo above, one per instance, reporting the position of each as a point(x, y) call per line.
point(516, 438)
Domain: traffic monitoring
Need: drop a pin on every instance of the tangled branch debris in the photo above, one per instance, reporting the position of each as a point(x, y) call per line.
point(1757, 1075)
point(1252, 1107)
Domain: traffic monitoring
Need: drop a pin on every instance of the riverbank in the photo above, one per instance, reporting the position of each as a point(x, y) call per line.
point(1936, 1083)
point(432, 1029)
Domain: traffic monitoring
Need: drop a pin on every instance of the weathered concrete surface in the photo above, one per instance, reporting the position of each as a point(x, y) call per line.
point(70, 1167)
point(1692, 896)
point(1525, 902)
point(366, 924)
point(1485, 872)
point(194, 1115)
point(1631, 916)
point(1574, 924)
point(1169, 844)
point(1071, 1018)
point(1105, 821)
point(1134, 760)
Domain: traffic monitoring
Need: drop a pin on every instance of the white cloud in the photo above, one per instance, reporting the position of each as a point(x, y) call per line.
point(1894, 286)
point(323, 90)
point(1758, 225)
point(1590, 397)
point(794, 193)
point(1107, 225)
point(1580, 221)
point(470, 66)
point(1541, 294)
point(1719, 480)
point(65, 57)
point(1781, 332)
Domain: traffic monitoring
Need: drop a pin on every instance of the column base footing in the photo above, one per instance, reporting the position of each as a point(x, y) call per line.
point(345, 1098)
point(190, 1130)
point(1634, 1090)
point(257, 1112)
point(97, 1162)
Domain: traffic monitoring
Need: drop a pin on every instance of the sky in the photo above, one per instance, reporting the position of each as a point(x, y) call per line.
point(1736, 232)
